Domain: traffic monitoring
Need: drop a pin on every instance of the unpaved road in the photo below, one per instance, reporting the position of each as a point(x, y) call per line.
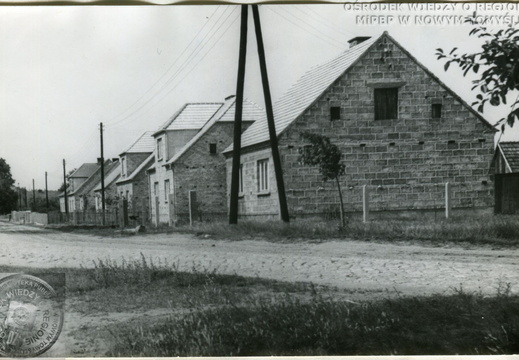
point(362, 268)
point(408, 269)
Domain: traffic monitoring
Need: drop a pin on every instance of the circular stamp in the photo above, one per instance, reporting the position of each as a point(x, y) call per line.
point(31, 316)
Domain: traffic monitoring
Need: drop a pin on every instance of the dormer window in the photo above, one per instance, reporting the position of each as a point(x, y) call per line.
point(160, 149)
point(123, 167)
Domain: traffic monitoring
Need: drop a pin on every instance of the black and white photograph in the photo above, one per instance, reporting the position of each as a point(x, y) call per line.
point(255, 179)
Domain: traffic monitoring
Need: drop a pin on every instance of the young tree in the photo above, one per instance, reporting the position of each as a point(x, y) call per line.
point(8, 195)
point(499, 57)
point(327, 157)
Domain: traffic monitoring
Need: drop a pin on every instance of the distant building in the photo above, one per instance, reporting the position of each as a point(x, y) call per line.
point(505, 167)
point(402, 132)
point(188, 157)
point(133, 182)
point(76, 180)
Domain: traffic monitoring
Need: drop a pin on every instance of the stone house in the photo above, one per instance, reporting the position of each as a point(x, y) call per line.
point(402, 132)
point(133, 182)
point(112, 172)
point(76, 180)
point(188, 157)
point(505, 167)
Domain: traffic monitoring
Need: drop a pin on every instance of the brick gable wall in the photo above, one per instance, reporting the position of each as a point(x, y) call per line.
point(405, 161)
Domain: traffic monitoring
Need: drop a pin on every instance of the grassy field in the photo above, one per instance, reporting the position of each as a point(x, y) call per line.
point(205, 314)
point(496, 231)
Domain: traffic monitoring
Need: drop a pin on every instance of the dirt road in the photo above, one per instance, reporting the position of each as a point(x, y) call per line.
point(354, 265)
point(364, 269)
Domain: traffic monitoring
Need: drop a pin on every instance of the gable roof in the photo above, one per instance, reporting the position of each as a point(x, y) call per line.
point(192, 116)
point(111, 176)
point(308, 89)
point(149, 160)
point(85, 171)
point(144, 144)
point(250, 112)
point(510, 152)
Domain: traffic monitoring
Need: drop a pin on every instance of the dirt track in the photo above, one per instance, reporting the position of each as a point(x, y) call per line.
point(364, 269)
point(353, 265)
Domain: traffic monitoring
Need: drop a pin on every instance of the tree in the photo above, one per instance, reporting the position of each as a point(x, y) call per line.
point(8, 196)
point(499, 56)
point(327, 157)
point(62, 186)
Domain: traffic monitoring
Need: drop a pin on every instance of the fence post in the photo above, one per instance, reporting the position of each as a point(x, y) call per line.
point(365, 203)
point(172, 214)
point(192, 207)
point(157, 215)
point(448, 196)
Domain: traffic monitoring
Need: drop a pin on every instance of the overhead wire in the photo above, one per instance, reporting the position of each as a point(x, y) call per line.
point(324, 21)
point(170, 67)
point(336, 44)
point(203, 43)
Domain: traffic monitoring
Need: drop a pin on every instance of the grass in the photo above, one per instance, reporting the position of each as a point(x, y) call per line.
point(206, 314)
point(498, 231)
point(438, 325)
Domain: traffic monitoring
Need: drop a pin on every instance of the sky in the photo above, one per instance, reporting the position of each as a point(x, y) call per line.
point(64, 70)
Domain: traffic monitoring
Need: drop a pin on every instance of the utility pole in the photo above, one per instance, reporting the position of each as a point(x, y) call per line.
point(235, 176)
point(65, 184)
point(102, 174)
point(19, 197)
point(283, 207)
point(46, 192)
point(33, 195)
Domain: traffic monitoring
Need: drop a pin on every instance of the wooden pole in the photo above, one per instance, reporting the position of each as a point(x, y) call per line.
point(283, 207)
point(365, 204)
point(102, 175)
point(33, 194)
point(235, 175)
point(65, 184)
point(447, 200)
point(46, 192)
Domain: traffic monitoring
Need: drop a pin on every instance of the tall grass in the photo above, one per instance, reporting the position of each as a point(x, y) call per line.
point(439, 325)
point(495, 230)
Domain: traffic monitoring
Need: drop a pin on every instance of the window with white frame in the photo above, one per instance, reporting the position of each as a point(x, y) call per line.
point(166, 190)
point(160, 149)
point(240, 182)
point(262, 174)
point(123, 167)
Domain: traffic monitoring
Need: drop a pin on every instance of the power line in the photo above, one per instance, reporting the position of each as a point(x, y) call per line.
point(291, 13)
point(171, 66)
point(185, 63)
point(305, 29)
point(325, 21)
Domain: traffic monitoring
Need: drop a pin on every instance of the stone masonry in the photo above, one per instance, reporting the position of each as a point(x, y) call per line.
point(405, 161)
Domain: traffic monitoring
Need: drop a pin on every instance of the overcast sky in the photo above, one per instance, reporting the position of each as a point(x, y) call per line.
point(63, 70)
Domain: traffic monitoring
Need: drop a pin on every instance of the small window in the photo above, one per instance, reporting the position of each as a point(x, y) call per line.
point(155, 189)
point(123, 167)
point(386, 103)
point(436, 111)
point(240, 191)
point(166, 190)
point(160, 149)
point(263, 175)
point(335, 113)
point(212, 148)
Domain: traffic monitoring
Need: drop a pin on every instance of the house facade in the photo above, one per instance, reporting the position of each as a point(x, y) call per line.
point(402, 132)
point(76, 180)
point(188, 157)
point(133, 181)
point(505, 167)
point(112, 173)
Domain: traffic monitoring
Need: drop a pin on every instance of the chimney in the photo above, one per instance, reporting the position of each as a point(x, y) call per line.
point(98, 161)
point(357, 40)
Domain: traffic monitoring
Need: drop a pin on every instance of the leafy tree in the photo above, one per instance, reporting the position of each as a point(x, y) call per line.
point(499, 57)
point(8, 195)
point(62, 186)
point(327, 157)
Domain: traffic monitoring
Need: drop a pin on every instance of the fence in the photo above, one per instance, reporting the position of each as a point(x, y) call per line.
point(370, 201)
point(88, 217)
